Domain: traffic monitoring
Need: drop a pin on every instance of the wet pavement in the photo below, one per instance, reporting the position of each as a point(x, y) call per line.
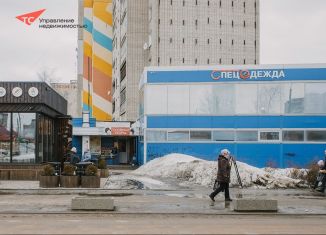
point(169, 207)
point(28, 198)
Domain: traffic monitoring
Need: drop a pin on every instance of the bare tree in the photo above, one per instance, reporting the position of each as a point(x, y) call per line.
point(48, 75)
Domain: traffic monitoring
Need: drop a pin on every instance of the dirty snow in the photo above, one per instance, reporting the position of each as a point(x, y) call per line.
point(189, 170)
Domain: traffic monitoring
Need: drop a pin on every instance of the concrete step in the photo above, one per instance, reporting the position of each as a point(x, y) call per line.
point(248, 205)
point(92, 203)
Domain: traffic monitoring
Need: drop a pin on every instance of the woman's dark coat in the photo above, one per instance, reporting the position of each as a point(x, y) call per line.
point(224, 169)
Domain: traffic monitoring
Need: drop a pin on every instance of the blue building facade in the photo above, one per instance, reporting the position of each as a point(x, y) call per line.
point(266, 115)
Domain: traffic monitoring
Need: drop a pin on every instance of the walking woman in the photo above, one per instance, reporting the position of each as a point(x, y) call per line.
point(223, 175)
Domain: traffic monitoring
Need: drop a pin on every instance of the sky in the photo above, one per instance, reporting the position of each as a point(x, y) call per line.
point(291, 32)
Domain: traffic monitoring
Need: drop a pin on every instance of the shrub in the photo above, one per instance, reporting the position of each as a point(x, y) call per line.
point(69, 169)
point(102, 163)
point(297, 174)
point(91, 170)
point(48, 170)
point(312, 173)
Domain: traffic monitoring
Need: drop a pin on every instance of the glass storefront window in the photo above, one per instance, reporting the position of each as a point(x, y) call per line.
point(212, 99)
point(269, 98)
point(246, 98)
point(317, 136)
point(156, 99)
point(223, 136)
point(269, 135)
point(200, 135)
point(247, 136)
point(5, 124)
point(293, 98)
point(156, 136)
point(178, 99)
point(178, 136)
point(23, 145)
point(315, 98)
point(293, 135)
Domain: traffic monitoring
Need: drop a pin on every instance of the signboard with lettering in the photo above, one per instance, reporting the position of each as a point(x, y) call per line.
point(120, 131)
point(236, 74)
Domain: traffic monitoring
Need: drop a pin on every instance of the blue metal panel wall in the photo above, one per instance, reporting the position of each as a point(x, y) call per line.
point(259, 155)
point(236, 122)
point(78, 122)
point(298, 74)
point(140, 153)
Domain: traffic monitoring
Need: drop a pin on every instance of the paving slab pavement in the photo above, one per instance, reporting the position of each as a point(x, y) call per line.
point(160, 224)
point(26, 197)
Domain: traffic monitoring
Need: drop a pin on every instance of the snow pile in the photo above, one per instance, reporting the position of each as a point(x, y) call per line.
point(198, 171)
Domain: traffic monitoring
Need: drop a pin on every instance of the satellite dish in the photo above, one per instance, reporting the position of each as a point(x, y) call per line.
point(145, 46)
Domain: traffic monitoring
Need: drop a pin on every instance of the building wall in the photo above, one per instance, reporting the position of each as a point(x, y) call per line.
point(178, 32)
point(97, 58)
point(202, 32)
point(130, 33)
point(266, 115)
point(69, 91)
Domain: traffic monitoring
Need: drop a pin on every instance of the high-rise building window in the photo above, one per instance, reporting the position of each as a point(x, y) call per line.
point(183, 3)
point(183, 60)
point(232, 61)
point(244, 42)
point(183, 40)
point(196, 22)
point(170, 60)
point(244, 61)
point(220, 3)
point(171, 2)
point(232, 42)
point(208, 41)
point(208, 3)
point(171, 22)
point(196, 41)
point(208, 20)
point(220, 23)
point(183, 22)
point(220, 61)
point(232, 23)
point(244, 23)
point(232, 4)
point(159, 21)
point(207, 61)
point(196, 2)
point(196, 61)
point(220, 41)
point(170, 40)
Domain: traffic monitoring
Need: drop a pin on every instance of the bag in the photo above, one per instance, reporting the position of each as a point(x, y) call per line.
point(216, 185)
point(320, 177)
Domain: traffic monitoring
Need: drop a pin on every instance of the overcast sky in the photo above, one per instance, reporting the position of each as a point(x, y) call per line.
point(292, 31)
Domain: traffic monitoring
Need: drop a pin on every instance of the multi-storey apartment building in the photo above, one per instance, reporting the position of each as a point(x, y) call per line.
point(130, 32)
point(158, 33)
point(95, 58)
point(178, 32)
